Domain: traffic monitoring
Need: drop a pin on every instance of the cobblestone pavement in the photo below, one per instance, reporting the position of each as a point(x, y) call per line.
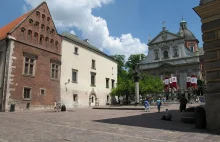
point(91, 125)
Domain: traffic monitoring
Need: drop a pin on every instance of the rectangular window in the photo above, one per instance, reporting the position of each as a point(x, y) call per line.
point(113, 83)
point(74, 76)
point(76, 50)
point(43, 91)
point(107, 82)
point(75, 98)
point(54, 71)
point(29, 65)
point(93, 78)
point(192, 48)
point(27, 93)
point(93, 64)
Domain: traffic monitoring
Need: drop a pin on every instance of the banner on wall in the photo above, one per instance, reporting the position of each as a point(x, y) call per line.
point(193, 81)
point(174, 82)
point(171, 83)
point(188, 82)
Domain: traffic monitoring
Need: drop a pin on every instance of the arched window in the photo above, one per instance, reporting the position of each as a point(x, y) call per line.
point(41, 39)
point(175, 53)
point(36, 24)
point(48, 19)
point(43, 17)
point(38, 14)
point(48, 30)
point(23, 31)
point(165, 54)
point(42, 27)
point(156, 55)
point(36, 37)
point(31, 21)
point(29, 35)
point(52, 31)
point(52, 43)
point(56, 45)
point(47, 41)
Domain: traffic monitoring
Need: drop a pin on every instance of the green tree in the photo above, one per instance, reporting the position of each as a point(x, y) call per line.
point(132, 62)
point(121, 64)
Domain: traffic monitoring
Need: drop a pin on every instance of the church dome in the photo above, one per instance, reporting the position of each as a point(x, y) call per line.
point(187, 34)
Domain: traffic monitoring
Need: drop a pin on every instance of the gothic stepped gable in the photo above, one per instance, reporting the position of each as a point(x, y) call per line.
point(164, 36)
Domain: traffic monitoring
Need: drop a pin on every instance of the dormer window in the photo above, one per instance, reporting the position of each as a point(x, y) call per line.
point(165, 54)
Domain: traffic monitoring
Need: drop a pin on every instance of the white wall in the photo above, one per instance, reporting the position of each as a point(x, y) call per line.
point(83, 62)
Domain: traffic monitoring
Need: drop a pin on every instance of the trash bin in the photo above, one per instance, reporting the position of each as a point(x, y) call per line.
point(12, 107)
point(200, 118)
point(63, 108)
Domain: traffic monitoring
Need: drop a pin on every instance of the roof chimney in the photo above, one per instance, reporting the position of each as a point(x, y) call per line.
point(86, 40)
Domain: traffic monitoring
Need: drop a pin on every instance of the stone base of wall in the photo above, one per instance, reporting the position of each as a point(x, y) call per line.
point(22, 106)
point(212, 112)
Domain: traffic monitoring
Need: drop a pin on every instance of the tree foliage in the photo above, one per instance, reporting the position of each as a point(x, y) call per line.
point(126, 85)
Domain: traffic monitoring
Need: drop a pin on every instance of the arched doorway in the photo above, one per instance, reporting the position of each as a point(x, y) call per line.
point(92, 98)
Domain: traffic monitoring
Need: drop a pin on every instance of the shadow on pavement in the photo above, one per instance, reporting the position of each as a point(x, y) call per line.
point(153, 120)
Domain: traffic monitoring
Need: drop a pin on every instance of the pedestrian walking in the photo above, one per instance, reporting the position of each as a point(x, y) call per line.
point(147, 105)
point(158, 103)
point(183, 102)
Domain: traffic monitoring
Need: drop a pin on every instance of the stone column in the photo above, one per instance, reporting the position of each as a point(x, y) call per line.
point(137, 96)
point(209, 12)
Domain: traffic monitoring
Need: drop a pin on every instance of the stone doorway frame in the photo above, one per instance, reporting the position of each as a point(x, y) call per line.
point(92, 93)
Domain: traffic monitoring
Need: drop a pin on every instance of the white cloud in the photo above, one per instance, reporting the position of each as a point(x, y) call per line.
point(78, 13)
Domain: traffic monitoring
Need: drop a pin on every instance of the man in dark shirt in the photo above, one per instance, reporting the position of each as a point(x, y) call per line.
point(183, 102)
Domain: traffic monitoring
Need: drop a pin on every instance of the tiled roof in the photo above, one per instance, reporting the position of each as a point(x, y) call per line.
point(86, 44)
point(9, 27)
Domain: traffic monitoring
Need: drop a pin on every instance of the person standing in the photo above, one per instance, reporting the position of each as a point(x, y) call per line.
point(147, 105)
point(183, 102)
point(158, 103)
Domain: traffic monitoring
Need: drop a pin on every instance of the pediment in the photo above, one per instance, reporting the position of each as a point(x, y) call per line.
point(165, 65)
point(163, 37)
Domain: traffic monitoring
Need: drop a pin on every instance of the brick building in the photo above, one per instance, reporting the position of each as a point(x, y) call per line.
point(30, 59)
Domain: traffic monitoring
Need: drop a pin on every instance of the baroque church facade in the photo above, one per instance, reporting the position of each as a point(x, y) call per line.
point(175, 58)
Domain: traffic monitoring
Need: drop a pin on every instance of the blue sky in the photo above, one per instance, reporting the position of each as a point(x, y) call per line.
point(139, 18)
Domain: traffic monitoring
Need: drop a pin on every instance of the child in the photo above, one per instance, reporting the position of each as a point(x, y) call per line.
point(147, 105)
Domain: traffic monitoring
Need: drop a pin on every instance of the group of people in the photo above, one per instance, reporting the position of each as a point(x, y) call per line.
point(147, 104)
point(167, 115)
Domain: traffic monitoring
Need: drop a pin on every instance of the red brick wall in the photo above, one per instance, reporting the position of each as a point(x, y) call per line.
point(40, 80)
point(45, 53)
